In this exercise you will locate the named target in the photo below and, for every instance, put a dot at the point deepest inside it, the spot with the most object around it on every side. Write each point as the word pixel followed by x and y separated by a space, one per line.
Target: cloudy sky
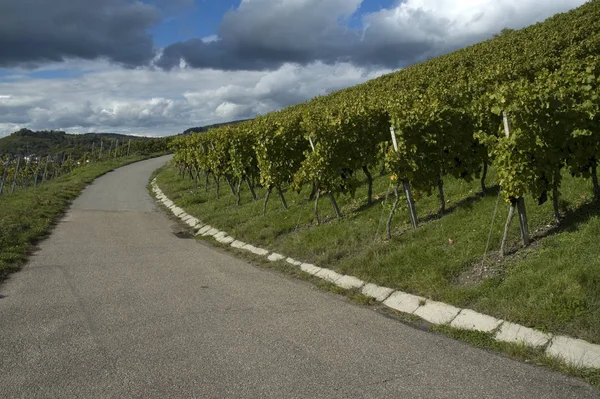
pixel 157 67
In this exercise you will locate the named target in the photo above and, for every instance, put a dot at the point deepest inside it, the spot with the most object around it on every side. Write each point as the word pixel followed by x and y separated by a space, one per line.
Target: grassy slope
pixel 554 285
pixel 27 216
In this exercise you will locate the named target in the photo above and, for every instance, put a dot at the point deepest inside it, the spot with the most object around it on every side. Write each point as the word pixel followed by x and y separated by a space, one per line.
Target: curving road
pixel 114 305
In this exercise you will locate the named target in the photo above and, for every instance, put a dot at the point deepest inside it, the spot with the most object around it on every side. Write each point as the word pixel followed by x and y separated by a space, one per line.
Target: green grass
pixel 554 285
pixel 27 216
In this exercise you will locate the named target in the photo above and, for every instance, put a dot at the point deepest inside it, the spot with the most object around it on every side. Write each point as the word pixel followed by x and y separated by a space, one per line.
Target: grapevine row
pixel 18 172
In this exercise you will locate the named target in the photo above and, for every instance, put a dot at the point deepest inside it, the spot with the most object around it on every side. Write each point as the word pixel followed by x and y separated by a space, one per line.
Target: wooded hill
pixel 201 129
pixel 49 142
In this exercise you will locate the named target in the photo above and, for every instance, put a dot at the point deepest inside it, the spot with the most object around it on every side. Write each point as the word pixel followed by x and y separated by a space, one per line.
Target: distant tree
pixel 504 32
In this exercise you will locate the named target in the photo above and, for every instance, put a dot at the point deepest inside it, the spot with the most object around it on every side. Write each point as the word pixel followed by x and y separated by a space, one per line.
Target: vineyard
pixel 19 172
pixel 525 103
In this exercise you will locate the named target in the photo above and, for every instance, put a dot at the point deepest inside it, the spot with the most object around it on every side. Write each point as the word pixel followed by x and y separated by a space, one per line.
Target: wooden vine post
pixel 315 187
pixel 14 183
pixel 56 167
pixel 45 169
pixel 518 203
pixel 250 187
pixel 483 176
pixel 27 168
pixel 595 181
pixel 334 204
pixel 37 171
pixel 52 172
pixel 4 175
pixel 367 173
pixel 410 201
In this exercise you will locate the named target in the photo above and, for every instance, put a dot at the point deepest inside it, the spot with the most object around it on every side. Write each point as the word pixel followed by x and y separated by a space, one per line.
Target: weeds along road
pixel 114 305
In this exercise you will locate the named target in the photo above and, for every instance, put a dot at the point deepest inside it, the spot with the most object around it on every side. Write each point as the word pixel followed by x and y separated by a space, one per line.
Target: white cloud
pixel 446 24
pixel 210 38
pixel 228 110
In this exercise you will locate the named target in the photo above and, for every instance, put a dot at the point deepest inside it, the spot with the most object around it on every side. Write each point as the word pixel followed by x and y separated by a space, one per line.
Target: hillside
pixel 44 142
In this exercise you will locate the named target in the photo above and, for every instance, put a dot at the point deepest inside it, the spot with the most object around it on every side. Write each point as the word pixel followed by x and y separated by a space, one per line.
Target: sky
pixel 158 67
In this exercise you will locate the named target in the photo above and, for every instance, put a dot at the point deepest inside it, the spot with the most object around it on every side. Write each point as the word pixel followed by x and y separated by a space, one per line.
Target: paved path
pixel 114 305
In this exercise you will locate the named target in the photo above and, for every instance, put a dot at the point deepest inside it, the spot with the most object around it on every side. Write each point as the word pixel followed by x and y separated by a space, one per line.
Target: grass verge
pixel 28 216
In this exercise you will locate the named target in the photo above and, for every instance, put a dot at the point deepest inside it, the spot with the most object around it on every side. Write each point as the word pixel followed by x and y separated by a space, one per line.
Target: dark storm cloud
pixel 33 32
pixel 216 55
pixel 229 55
pixel 265 34
pixel 257 56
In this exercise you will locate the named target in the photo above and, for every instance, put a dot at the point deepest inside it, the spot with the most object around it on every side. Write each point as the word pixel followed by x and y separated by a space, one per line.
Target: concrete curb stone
pixel 437 312
pixel 470 320
pixel 293 262
pixel 515 333
pixel 575 351
pixel 274 257
pixel 403 302
pixel 328 275
pixel 349 282
pixel 375 291
pixel 204 229
pixel 211 232
pixel 310 269
pixel 219 235
pixel 255 250
pixel 192 222
pixel 226 240
pixel 238 244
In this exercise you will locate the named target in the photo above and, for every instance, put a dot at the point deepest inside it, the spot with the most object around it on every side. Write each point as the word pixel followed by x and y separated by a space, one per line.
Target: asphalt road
pixel 114 305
